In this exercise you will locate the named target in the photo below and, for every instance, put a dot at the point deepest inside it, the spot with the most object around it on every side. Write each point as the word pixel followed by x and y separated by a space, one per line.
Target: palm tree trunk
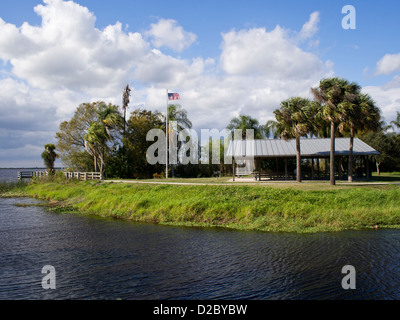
pixel 102 161
pixel 350 173
pixel 332 162
pixel 298 160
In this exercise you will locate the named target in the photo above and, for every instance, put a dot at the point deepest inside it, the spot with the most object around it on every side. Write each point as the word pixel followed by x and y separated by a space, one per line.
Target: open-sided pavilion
pixel 247 156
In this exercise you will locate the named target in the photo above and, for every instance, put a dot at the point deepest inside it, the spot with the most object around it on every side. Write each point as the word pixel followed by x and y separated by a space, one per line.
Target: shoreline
pixel 241 207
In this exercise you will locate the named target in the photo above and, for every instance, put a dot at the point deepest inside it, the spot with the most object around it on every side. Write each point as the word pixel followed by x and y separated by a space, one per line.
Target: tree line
pixel 100 138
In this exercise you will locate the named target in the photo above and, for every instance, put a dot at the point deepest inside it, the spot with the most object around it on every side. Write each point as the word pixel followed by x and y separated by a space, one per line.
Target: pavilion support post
pixel 256 164
pixel 233 168
pixel 259 170
pixel 326 166
pixel 340 167
pixel 312 168
pixel 286 172
pixel 365 165
pixel 318 172
pixel 367 172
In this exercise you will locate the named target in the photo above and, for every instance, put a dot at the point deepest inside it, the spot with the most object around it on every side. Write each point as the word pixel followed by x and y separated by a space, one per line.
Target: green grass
pixel 213 180
pixel 386 177
pixel 12 189
pixel 290 207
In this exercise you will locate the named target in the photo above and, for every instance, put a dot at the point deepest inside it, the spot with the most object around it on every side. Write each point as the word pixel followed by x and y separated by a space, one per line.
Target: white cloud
pixel 67 51
pixel 388 64
pixel 272 54
pixel 386 97
pixel 310 28
pixel 168 33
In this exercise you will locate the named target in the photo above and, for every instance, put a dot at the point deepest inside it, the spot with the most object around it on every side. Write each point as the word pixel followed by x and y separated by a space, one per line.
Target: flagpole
pixel 166 140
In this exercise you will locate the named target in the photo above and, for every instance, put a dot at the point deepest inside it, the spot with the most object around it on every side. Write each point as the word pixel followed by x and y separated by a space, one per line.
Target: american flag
pixel 173 96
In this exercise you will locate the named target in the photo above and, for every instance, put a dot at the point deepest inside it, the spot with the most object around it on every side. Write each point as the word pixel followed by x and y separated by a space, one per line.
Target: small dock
pixel 31 174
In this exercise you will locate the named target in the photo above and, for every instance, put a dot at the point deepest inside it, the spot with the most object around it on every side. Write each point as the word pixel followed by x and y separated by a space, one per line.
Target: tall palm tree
pixel 330 93
pixel 99 132
pixel 270 129
pixel 95 141
pixel 362 115
pixel 49 156
pixel 125 101
pixel 180 116
pixel 319 126
pixel 293 122
pixel 396 123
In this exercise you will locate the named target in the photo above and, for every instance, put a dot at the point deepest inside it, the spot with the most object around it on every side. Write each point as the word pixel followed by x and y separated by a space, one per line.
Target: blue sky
pixel 225 58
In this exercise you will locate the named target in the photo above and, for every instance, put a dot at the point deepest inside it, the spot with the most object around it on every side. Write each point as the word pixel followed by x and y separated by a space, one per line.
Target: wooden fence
pixel 84 175
pixel 69 175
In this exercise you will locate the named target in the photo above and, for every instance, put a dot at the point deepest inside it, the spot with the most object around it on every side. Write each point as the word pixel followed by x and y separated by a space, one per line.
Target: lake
pixel 96 258
pixel 11 175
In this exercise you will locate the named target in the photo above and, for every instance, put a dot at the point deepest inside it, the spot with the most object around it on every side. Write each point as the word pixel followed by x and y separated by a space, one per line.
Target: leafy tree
pixel 293 123
pixel 388 144
pixel 49 156
pixel 70 138
pixel 71 142
pixel 330 94
pixel 130 161
pixel 244 122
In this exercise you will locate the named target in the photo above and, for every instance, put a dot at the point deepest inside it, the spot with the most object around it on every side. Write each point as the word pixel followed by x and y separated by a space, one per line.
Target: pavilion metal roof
pixel 273 148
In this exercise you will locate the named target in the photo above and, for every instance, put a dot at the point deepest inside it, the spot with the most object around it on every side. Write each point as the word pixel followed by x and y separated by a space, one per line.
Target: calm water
pixel 11 175
pixel 105 259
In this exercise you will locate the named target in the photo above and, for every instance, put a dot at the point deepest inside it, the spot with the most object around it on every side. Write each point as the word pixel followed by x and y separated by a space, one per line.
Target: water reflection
pixel 105 259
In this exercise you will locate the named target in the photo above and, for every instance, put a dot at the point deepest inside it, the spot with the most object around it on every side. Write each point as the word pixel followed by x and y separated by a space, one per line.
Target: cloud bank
pixel 48 70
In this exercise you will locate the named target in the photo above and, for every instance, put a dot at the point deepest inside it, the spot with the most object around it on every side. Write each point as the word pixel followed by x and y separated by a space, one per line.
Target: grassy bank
pixel 246 207
pixel 12 189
